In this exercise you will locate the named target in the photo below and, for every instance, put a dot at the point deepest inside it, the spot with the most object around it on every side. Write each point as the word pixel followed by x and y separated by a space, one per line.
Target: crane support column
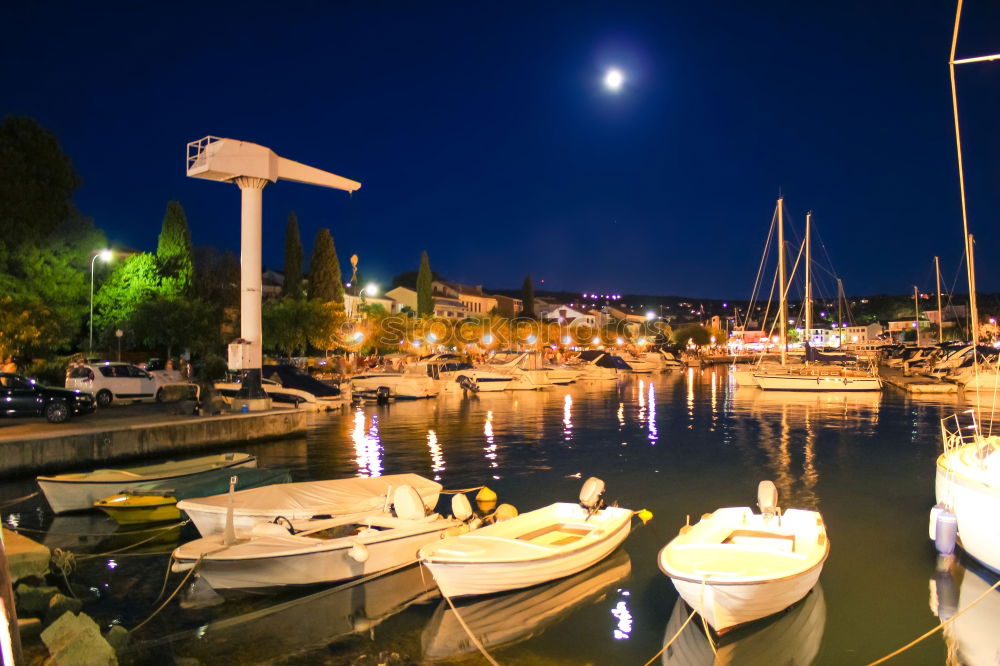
pixel 251 222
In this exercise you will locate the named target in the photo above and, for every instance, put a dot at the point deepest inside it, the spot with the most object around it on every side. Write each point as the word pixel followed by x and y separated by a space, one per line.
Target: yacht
pixel 453 375
pixel 386 385
pixel 513 365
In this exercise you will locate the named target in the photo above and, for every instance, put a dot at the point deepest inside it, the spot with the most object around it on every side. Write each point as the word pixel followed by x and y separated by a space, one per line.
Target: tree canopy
pixel 173 251
pixel 324 270
pixel 293 258
pixel 425 295
pixel 528 297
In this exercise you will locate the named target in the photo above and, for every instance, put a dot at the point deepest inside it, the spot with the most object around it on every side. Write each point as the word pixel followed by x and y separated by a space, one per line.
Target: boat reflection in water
pixel 302 625
pixel 517 616
pixel 790 638
pixel 971 638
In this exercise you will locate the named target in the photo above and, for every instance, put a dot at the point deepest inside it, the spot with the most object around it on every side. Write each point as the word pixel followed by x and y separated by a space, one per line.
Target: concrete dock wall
pixel 90 447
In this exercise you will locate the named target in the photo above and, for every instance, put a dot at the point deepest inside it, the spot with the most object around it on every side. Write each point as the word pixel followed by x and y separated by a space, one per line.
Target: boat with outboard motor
pixel 311 552
pixel 79 490
pixel 453 375
pixel 387 385
pixel 735 566
pixel 553 542
pixel 303 500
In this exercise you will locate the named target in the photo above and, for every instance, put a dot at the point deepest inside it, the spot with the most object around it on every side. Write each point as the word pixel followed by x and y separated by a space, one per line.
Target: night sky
pixel 481 131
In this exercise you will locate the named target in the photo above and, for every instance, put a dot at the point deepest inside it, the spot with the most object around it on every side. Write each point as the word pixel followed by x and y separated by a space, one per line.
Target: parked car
pixel 109 381
pixel 20 396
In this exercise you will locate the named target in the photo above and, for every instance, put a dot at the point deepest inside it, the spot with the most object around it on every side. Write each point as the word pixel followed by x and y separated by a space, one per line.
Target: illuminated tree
pixel 425 295
pixel 293 258
pixel 528 297
pixel 173 252
pixel 324 270
pixel 135 281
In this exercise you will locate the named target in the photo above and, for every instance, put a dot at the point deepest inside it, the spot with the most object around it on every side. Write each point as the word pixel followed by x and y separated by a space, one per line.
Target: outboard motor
pixel 408 504
pixel 467 383
pixel 767 499
pixel 382 395
pixel 462 510
pixel 591 495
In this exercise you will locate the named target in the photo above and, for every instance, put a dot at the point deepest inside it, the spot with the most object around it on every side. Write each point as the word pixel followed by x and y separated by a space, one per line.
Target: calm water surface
pixel 678 444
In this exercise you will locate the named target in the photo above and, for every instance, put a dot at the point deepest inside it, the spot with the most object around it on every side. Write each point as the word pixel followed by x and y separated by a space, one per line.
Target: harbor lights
pixel 251 167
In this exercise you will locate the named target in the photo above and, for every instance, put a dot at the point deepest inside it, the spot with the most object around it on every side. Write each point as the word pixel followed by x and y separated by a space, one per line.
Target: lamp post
pixel 105 256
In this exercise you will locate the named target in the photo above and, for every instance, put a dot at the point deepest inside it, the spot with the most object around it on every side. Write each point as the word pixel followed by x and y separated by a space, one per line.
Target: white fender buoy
pixel 946 532
pixel 358 552
pixel 460 507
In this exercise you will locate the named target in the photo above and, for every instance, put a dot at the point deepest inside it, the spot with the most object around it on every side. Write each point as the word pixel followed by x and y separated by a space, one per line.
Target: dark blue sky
pixel 481 133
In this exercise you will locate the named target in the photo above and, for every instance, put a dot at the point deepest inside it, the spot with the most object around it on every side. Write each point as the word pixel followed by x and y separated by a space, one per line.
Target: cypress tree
pixel 425 297
pixel 173 251
pixel 528 297
pixel 324 270
pixel 293 258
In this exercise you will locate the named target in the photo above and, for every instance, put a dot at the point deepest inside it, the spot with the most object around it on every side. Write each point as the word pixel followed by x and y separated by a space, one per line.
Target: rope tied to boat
pixel 18 500
pixel 672 639
pixel 156 534
pixel 472 636
pixel 939 627
pixel 65 562
pixel 171 597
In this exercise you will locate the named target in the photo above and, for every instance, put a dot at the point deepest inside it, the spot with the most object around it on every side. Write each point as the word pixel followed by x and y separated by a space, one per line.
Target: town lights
pixel 371 289
pixel 650 315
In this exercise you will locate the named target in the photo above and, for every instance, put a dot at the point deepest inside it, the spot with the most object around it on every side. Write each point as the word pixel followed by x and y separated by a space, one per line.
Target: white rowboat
pixel 303 500
pixel 79 491
pixel 553 542
pixel 735 566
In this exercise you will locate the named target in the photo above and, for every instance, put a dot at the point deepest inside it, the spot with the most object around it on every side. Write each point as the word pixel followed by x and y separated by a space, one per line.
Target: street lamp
pixel 105 256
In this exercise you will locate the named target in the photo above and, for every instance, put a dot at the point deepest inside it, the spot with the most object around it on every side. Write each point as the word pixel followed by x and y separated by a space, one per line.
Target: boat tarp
pixel 213 483
pixel 291 378
pixel 814 355
pixel 317 498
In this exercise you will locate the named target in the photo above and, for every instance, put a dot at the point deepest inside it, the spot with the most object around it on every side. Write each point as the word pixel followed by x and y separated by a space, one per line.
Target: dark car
pixel 20 396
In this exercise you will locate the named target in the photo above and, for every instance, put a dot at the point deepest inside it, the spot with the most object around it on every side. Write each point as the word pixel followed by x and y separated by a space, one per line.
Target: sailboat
pixel 967 482
pixel 814 375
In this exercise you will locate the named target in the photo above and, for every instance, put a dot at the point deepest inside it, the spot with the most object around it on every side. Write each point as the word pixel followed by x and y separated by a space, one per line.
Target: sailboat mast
pixel 809 303
pixel 916 314
pixel 937 272
pixel 973 309
pixel 840 307
pixel 783 308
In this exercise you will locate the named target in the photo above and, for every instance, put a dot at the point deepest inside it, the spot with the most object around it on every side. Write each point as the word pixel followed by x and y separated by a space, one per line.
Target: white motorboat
pixel 405 385
pixel 562 374
pixel 791 639
pixel 600 365
pixel 505 619
pixel 79 491
pixel 967 484
pixel 316 551
pixel 452 375
pixel 735 566
pixel 638 365
pixel 535 547
pixel 303 500
pixel 522 379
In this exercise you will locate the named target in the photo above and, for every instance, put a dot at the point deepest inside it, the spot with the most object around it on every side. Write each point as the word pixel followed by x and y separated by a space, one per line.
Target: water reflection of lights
pixel 112 564
pixel 491 447
pixel 653 432
pixel 624 617
pixel 690 398
pixel 715 415
pixel 367 445
pixel 13 520
pixel 642 401
pixel 568 417
pixel 621 414
pixel 437 458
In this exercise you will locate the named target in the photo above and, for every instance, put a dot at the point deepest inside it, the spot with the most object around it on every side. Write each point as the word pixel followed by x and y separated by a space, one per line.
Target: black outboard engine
pixel 467 383
pixel 382 395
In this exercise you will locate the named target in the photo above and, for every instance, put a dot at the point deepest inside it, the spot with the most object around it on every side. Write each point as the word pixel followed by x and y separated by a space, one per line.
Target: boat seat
pixel 559 534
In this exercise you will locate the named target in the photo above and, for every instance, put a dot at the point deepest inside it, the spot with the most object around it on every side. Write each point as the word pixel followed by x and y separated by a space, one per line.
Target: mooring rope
pixel 137 543
pixel 475 641
pixel 461 490
pixel 18 500
pixel 937 628
pixel 21 528
pixel 170 598
pixel 672 639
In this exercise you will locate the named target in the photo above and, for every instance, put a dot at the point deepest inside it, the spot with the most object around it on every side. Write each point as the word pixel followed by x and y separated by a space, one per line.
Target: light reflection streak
pixel 653 432
pixel 715 415
pixel 621 415
pixel 367 445
pixel 690 398
pixel 491 448
pixel 642 401
pixel 437 458
pixel 624 617
pixel 568 417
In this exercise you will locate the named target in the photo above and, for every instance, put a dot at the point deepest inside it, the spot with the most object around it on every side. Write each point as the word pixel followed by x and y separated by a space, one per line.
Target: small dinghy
pixel 735 566
pixel 303 500
pixel 157 501
pixel 316 551
pixel 78 491
pixel 533 548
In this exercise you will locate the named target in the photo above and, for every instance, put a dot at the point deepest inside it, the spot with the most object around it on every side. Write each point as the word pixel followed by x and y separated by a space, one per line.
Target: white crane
pixel 251 167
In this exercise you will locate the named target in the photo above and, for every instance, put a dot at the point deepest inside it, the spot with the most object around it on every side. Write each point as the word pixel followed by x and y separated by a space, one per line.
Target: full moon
pixel 614 79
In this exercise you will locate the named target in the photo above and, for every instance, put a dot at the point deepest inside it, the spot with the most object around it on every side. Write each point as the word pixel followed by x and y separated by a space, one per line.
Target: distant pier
pixel 915 383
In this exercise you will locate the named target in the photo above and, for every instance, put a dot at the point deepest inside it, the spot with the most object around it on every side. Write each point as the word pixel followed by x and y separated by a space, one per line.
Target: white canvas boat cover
pixel 316 498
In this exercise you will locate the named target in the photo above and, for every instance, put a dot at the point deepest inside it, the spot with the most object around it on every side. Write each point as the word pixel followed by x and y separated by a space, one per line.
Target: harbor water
pixel 679 444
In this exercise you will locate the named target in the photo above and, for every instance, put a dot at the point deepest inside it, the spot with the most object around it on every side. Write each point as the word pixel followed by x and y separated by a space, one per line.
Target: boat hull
pixel 312 568
pixel 725 606
pixel 458 579
pixel 837 383
pixel 152 509
pixel 77 494
pixel 976 507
